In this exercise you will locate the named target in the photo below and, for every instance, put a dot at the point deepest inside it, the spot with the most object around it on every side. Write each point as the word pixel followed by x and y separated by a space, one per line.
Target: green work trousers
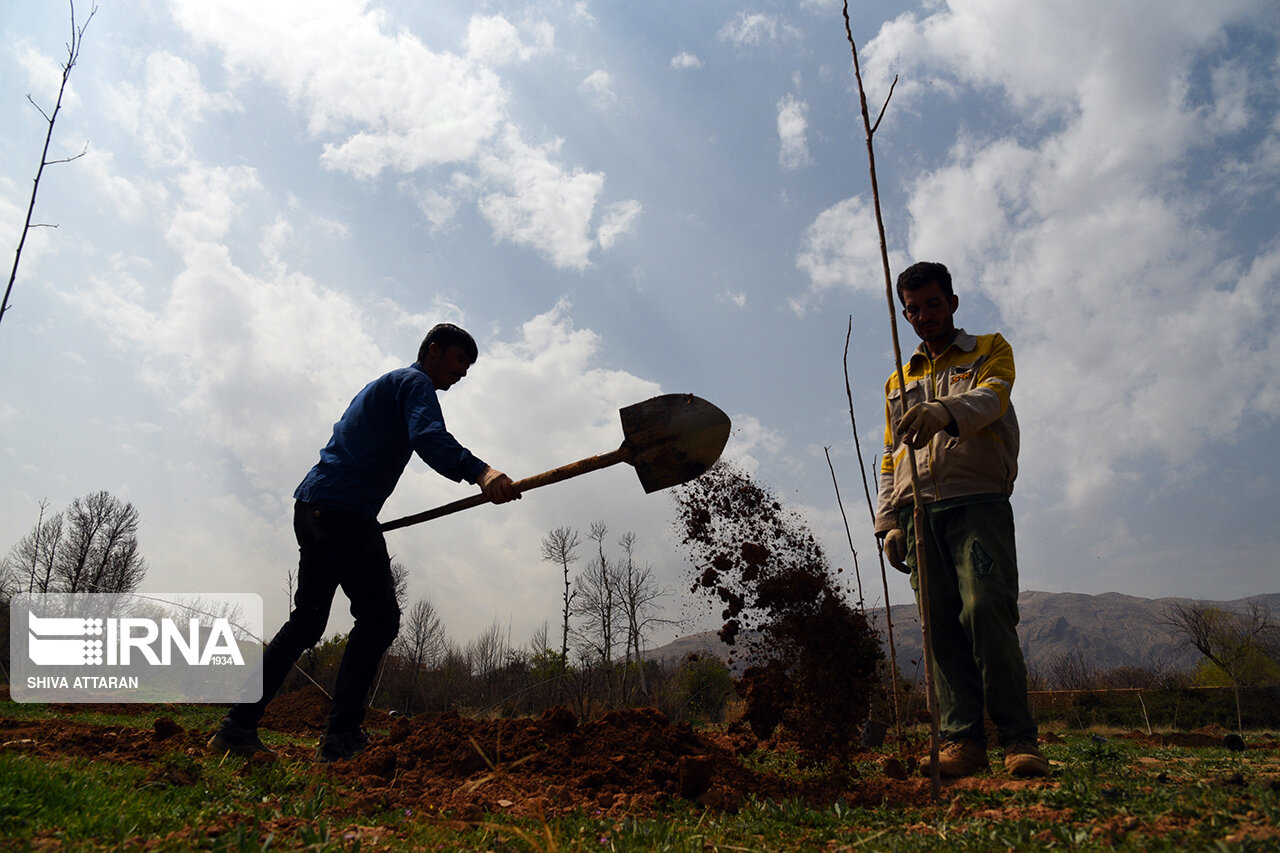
pixel 973 602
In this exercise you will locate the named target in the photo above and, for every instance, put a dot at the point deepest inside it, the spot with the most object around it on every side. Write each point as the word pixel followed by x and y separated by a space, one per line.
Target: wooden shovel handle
pixel 546 478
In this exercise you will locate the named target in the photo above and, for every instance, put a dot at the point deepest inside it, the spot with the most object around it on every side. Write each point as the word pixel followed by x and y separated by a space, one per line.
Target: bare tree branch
pixel 1233 641
pixel 892 86
pixel 73 56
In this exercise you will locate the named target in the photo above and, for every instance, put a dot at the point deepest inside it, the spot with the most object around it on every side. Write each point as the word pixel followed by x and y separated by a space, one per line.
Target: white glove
pixel 497 486
pixel 895 549
pixel 922 422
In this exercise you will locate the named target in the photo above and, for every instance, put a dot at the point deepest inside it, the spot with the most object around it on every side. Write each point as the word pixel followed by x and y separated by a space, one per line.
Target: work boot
pixel 1023 758
pixel 237 740
pixel 341 745
pixel 958 758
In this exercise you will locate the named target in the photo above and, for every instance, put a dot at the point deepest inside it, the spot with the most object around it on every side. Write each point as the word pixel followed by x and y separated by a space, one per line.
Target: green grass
pixel 1104 795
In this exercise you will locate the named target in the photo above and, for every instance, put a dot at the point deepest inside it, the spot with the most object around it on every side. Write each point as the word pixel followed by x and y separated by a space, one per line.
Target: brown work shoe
pixel 958 758
pixel 1023 758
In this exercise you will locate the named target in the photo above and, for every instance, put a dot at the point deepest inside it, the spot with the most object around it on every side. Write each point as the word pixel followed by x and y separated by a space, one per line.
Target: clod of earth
pixel 811 659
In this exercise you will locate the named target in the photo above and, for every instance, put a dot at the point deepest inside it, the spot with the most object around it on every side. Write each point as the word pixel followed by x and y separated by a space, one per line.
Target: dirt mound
pixel 1207 737
pixel 813 662
pixel 445 765
pixel 623 761
pixel 113 743
pixel 305 712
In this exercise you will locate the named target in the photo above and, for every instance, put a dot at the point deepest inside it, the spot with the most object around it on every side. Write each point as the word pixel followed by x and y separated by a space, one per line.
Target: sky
pixel 277 200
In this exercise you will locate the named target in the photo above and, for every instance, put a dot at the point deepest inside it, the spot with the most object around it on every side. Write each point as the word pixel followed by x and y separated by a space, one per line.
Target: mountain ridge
pixel 1109 630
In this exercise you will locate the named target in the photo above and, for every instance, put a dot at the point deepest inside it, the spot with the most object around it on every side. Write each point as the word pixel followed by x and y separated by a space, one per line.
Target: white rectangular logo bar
pixel 135 647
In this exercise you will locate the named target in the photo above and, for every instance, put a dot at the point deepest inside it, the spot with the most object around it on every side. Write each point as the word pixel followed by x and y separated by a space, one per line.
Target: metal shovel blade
pixel 673 438
pixel 669 440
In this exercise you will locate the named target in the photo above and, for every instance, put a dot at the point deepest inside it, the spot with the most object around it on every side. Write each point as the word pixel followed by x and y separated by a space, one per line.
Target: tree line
pixel 593 659
pixel 91 546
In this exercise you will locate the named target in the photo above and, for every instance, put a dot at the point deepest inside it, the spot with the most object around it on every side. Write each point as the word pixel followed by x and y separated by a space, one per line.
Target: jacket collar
pixel 963 341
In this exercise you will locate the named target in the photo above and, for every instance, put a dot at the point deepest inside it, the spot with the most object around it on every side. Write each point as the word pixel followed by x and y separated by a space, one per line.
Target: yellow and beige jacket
pixel 978 453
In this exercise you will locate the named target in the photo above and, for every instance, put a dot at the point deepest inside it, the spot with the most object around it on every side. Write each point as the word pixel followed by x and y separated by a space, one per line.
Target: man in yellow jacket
pixel 956 417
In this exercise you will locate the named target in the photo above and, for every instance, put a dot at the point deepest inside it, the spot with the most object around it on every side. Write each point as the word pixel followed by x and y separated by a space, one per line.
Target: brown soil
pixel 812 658
pixel 624 762
pixel 305 712
pixel 450 768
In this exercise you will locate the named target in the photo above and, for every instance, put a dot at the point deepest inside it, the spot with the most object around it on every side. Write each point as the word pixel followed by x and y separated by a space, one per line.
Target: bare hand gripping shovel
pixel 669 440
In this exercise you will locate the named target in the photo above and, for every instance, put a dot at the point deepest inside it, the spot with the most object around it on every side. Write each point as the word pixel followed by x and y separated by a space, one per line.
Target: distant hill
pixel 1109 631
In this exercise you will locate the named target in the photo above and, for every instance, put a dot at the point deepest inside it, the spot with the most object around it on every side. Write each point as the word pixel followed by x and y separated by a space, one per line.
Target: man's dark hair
pixel 448 335
pixel 923 274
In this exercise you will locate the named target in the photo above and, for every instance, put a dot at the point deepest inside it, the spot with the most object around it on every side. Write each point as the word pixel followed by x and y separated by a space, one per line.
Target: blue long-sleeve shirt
pixel 395 416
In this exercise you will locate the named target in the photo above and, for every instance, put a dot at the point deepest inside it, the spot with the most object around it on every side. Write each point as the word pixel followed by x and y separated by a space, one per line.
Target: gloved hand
pixel 895 549
pixel 922 422
pixel 497 486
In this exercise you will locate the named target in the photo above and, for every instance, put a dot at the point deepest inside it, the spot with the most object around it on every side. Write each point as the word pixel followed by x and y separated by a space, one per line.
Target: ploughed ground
pixel 622 762
pixel 451 769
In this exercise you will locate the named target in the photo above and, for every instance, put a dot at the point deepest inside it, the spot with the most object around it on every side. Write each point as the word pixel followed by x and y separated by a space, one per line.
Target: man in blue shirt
pixel 340 542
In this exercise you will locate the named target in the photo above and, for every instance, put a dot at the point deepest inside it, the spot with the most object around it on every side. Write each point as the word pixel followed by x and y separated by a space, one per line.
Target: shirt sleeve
pixel 988 397
pixel 886 519
pixel 430 439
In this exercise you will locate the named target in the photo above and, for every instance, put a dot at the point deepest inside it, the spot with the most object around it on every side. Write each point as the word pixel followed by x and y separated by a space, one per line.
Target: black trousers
pixel 343 549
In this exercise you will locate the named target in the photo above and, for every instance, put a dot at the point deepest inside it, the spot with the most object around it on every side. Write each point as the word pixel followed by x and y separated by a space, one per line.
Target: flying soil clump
pixel 812 659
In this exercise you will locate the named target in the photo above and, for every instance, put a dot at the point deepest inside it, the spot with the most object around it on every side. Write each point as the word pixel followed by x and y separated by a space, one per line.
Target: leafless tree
pixel 422 643
pixel 1072 671
pixel 560 546
pixel 488 652
pixel 100 553
pixel 73 56
pixel 538 641
pixel 29 564
pixel 639 595
pixel 400 580
pixel 596 591
pixel 90 547
pixel 1234 641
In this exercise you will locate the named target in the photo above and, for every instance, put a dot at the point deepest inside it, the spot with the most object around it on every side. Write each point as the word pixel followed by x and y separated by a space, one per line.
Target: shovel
pixel 669 440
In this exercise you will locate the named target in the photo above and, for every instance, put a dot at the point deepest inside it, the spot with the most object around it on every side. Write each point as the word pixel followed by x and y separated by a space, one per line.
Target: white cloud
pixel 393 102
pixel 165 112
pixel 734 297
pixel 749 440
pixel 44 76
pixel 1081 231
pixel 1230 86
pixel 383 100
pixel 437 207
pixel 493 40
pixel 130 199
pixel 598 85
pixel 793 122
pixel 841 249
pixel 539 204
pixel 685 60
pixel 751 29
pixel 210 202
pixel 248 358
pixel 617 220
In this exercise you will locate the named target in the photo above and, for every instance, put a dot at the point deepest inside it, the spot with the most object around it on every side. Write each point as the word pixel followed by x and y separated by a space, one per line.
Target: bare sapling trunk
pixel 73 56
pixel 918 512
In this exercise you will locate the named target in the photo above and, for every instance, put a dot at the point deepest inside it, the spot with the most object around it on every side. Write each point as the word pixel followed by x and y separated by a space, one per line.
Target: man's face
pixel 446 365
pixel 930 312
